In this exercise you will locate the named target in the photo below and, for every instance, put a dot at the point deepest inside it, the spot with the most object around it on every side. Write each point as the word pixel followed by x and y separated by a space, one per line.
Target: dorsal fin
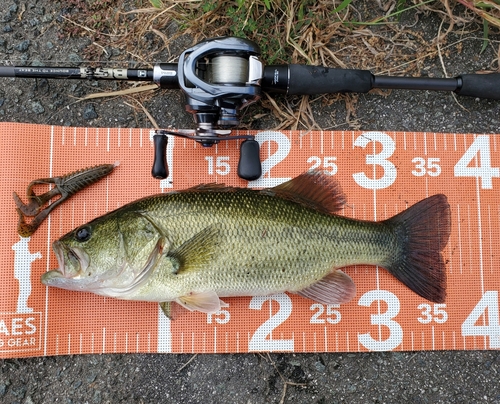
pixel 209 187
pixel 313 189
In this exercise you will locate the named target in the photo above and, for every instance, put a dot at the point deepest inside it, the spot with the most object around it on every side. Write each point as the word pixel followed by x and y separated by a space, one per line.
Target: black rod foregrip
pixel 415 83
pixel 311 80
pixel 480 85
pixel 160 167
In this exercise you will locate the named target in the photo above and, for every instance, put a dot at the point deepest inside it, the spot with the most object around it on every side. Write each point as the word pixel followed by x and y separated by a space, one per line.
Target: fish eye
pixel 83 234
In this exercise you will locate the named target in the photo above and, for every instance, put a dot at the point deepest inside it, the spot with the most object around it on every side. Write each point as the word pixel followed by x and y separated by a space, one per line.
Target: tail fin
pixel 423 230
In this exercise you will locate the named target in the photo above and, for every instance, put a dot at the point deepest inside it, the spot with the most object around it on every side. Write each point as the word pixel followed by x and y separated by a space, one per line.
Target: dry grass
pixel 347 34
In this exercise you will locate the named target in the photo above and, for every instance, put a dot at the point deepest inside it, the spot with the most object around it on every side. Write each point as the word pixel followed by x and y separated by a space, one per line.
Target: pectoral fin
pixel 206 302
pixel 334 288
pixel 198 251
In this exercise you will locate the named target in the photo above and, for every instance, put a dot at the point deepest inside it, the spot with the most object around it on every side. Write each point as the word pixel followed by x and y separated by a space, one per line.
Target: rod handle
pixel 312 80
pixel 480 85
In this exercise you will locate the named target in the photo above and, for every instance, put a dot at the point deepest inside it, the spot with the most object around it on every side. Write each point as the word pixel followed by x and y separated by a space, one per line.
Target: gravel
pixel 389 377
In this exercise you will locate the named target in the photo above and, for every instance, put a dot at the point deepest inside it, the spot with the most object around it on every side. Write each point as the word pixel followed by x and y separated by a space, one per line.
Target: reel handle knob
pixel 249 166
pixel 160 167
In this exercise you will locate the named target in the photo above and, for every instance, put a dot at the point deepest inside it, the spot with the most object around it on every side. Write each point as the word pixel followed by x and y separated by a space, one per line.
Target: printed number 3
pixel 380 159
pixel 396 332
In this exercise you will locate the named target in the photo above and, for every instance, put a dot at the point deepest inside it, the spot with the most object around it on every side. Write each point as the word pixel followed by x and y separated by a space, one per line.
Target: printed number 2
pixel 488 304
pixel 262 338
pixel 395 329
pixel 380 159
pixel 284 147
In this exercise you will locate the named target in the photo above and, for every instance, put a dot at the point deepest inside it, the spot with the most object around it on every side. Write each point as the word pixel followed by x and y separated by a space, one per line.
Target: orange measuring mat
pixel 381 173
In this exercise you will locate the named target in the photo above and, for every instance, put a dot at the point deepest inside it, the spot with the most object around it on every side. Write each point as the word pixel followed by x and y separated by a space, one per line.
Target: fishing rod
pixel 220 76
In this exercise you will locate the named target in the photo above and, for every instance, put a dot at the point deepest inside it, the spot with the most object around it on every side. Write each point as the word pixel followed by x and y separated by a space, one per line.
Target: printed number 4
pixel 488 304
pixel 485 171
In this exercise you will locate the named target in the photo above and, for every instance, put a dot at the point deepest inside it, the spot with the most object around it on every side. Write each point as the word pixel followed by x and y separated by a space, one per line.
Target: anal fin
pixel 335 288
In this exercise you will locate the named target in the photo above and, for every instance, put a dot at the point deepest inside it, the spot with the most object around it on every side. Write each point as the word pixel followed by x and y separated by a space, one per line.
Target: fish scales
pixel 198 245
pixel 265 244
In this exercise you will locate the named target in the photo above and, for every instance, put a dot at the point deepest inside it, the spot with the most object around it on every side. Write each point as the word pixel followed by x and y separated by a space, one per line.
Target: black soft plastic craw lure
pixel 39 206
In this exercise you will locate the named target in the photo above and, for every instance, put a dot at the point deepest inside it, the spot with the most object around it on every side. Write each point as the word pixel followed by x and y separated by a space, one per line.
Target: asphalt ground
pixel 389 377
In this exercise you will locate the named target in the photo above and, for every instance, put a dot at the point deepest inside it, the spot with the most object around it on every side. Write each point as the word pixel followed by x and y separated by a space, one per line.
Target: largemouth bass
pixel 198 245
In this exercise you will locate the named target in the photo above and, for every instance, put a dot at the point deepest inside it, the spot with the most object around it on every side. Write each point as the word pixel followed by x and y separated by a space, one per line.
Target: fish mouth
pixel 73 261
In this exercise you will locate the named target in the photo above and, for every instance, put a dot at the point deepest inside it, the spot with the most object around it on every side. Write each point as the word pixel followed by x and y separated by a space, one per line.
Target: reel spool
pixel 219 77
pixel 228 69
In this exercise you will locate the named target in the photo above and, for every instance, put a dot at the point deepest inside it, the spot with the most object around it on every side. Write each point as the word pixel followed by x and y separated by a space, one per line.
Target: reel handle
pixel 249 166
pixel 160 167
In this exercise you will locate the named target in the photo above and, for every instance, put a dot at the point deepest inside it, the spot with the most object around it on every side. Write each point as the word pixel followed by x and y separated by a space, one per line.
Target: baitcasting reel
pixel 222 75
pixel 218 77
